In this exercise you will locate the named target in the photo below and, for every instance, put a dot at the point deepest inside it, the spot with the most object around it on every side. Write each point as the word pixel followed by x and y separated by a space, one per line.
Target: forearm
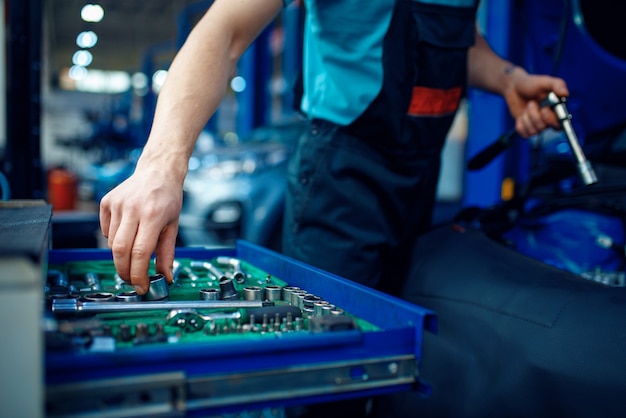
pixel 194 87
pixel 487 70
pixel 198 77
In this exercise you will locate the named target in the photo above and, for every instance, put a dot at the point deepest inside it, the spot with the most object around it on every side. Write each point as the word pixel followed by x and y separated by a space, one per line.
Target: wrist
pixel 171 166
pixel 509 68
pixel 511 73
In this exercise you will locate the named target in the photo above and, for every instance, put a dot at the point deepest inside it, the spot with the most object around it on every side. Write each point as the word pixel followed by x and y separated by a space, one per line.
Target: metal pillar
pixel 253 102
pixel 23 165
pixel 293 22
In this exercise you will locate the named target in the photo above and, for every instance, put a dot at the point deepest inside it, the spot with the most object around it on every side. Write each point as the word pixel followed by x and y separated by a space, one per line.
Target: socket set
pixel 238 328
pixel 96 310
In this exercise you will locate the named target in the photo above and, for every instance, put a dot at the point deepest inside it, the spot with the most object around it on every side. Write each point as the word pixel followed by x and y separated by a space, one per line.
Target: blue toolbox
pixel 240 329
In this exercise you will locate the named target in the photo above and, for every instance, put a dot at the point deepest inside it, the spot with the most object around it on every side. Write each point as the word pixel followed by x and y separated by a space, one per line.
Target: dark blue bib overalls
pixel 360 195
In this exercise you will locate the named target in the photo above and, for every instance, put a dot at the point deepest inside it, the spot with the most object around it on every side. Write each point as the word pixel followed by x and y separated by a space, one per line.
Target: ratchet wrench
pixel 587 175
pixel 73 306
pixel 557 104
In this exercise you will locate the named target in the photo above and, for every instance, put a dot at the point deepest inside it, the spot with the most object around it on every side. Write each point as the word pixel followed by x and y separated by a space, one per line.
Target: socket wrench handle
pixel 73 306
pixel 490 152
pixel 585 170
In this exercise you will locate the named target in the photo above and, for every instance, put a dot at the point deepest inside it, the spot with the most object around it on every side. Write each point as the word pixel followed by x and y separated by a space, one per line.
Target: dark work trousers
pixel 354 212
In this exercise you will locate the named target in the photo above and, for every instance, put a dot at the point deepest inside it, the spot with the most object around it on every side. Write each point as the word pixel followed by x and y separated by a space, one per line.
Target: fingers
pixel 125 256
pixel 541 85
pixel 118 241
pixel 165 252
pixel 130 242
pixel 105 217
pixel 559 87
pixel 140 255
pixel 536 118
pixel 532 121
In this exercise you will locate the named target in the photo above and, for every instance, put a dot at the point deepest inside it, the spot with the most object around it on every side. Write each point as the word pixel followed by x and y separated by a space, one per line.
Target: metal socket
pixel 57 278
pixel 287 290
pixel 318 307
pixel 253 293
pixel 131 296
pixel 301 298
pixel 158 289
pixel 99 297
pixel 273 292
pixel 294 296
pixel 228 289
pixel 309 300
pixel 210 294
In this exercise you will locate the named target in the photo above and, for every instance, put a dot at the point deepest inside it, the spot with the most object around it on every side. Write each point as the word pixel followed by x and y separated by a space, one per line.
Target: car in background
pixel 237 191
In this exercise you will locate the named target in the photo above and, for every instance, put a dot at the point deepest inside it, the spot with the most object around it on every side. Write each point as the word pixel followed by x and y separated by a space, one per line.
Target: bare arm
pixel 522 91
pixel 140 216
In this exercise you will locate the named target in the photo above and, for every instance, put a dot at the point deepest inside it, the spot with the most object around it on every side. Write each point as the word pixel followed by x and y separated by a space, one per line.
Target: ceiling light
pixel 82 58
pixel 76 72
pixel 86 39
pixel 158 79
pixel 139 81
pixel 92 13
pixel 238 84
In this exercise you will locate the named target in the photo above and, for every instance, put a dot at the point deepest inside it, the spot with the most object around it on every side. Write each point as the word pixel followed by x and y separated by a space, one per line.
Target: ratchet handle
pixel 489 153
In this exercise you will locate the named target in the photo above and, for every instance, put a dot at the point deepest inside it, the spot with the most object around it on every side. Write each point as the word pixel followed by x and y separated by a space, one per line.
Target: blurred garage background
pixel 82 78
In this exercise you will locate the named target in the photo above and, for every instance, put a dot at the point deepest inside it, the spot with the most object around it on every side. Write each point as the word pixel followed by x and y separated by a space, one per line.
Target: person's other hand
pixel 140 217
pixel 524 98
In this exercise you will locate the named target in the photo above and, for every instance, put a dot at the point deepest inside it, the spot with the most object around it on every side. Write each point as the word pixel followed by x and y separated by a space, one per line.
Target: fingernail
pixel 139 290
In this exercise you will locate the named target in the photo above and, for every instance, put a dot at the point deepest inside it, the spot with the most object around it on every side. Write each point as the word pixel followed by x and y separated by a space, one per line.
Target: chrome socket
pixel 295 296
pixel 210 294
pixel 318 307
pixel 158 289
pixel 131 296
pixel 253 293
pixel 273 292
pixel 287 290
pixel 228 289
pixel 99 297
pixel 308 301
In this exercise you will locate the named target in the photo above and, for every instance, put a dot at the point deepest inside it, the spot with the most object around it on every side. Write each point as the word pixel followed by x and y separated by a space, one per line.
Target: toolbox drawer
pixel 371 343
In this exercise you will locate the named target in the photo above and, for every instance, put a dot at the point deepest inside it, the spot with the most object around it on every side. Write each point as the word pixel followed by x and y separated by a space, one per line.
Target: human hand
pixel 524 96
pixel 139 217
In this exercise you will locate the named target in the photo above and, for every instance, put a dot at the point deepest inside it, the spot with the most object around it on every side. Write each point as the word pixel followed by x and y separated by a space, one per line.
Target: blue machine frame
pixel 293 368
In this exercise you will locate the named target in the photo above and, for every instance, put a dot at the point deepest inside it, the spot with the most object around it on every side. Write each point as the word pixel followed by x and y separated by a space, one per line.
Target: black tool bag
pixel 517 338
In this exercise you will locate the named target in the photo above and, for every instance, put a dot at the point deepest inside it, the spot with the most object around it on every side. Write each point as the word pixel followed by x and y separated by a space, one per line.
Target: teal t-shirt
pixel 343 51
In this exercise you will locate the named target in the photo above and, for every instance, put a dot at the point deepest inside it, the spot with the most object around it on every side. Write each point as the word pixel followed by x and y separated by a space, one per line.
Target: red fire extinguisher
pixel 62 189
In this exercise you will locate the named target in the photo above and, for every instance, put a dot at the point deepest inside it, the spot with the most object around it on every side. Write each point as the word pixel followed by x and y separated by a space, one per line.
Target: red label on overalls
pixel 427 101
